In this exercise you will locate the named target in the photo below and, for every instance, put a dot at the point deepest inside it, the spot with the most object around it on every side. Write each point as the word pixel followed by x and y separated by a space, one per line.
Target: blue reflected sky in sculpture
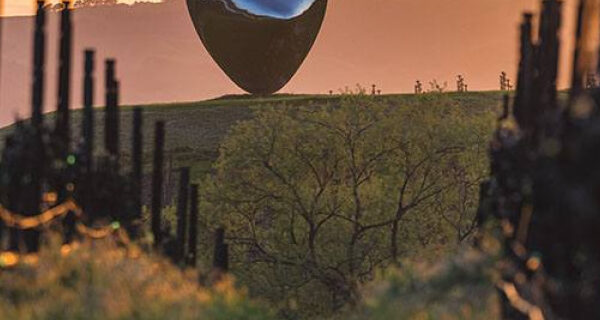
pixel 282 9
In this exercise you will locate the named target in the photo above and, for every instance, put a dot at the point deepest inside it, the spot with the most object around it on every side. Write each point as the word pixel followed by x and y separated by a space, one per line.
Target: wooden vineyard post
pixel 221 253
pixel 157 181
pixel 38 65
pixel 62 130
pixel 193 227
pixel 577 74
pixel 30 203
pixel 88 111
pixel 137 170
pixel 87 132
pixel 111 141
pixel 525 75
pixel 182 213
pixel 111 120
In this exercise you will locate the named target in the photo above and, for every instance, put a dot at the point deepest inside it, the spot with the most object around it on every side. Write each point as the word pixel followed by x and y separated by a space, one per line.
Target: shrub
pixel 317 198
pixel 99 281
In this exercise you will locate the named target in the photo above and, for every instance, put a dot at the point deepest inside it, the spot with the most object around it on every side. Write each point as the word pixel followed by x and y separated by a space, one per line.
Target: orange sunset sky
pixel 388 42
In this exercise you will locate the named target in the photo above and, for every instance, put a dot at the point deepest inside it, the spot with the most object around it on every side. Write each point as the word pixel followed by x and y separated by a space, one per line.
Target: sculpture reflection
pixel 283 9
pixel 260 44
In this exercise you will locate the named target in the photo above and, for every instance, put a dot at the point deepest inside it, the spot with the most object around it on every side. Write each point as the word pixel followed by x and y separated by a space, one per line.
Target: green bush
pixel 316 199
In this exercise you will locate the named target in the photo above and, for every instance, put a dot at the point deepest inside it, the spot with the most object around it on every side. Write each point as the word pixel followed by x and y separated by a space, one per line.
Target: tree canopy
pixel 317 199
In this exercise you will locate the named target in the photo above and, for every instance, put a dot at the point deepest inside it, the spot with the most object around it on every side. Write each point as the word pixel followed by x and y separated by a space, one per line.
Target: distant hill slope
pixel 195 130
pixel 388 42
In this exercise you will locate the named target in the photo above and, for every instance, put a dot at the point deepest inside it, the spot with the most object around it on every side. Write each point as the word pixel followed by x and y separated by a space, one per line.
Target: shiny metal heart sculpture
pixel 260 44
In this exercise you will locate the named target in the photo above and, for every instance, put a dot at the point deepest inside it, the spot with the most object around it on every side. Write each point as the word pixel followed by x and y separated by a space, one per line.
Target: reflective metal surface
pixel 283 9
pixel 260 44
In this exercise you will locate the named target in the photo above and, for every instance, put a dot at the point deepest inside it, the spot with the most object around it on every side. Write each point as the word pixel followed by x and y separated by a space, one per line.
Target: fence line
pixel 39 163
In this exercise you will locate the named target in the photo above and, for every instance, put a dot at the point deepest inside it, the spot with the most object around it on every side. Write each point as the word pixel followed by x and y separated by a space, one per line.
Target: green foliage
pixel 456 287
pixel 317 198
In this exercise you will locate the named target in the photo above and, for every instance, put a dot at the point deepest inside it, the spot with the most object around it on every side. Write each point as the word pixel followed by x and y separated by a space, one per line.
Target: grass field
pixel 194 130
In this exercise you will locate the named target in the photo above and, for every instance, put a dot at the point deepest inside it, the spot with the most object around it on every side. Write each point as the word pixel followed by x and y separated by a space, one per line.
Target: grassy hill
pixel 194 130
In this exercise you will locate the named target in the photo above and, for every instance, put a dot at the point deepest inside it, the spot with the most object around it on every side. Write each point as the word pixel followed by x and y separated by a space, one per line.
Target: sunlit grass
pixel 460 286
pixel 101 281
